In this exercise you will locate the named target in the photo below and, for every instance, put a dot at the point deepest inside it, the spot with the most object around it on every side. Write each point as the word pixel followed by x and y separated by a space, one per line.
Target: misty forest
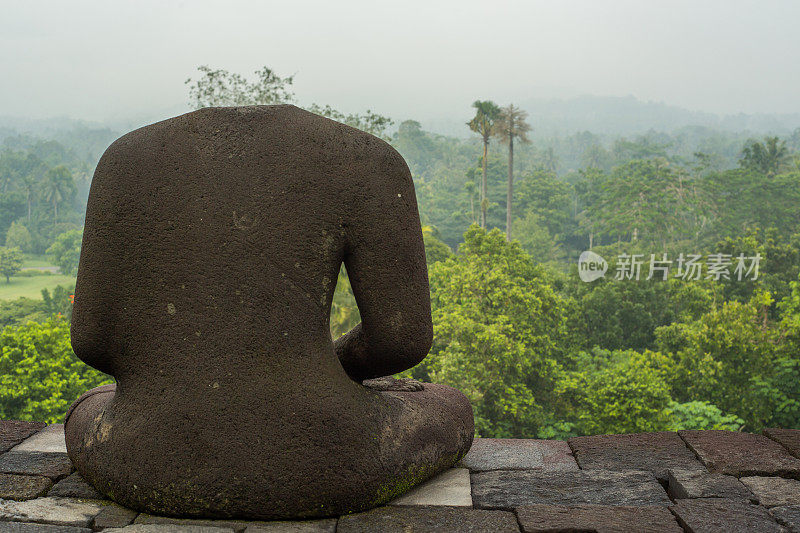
pixel 507 207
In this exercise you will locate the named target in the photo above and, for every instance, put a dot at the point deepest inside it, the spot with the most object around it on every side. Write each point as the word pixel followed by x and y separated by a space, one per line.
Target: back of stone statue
pixel 214 239
pixel 211 251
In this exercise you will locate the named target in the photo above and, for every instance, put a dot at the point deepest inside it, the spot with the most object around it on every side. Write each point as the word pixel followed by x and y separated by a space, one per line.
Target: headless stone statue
pixel 210 256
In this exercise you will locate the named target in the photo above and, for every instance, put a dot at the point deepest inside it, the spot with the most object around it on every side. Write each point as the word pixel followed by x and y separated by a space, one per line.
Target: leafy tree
pixel 30 183
pixel 344 310
pixel 702 415
pixel 784 384
pixel 770 157
pixel 59 302
pixel 532 233
pixel 510 125
pixel 419 149
pixel 498 333
pixel 642 148
pixel 628 393
pixel 648 200
pixel 744 199
pixel 780 389
pixel 12 207
pixel 435 249
pixel 619 315
pixel 472 193
pixel 370 122
pixel 217 87
pixel 778 266
pixel 547 160
pixel 18 236
pixel 486 113
pixel 58 186
pixel 596 157
pixel 588 192
pixel 722 364
pixel 23 170
pixel 790 315
pixel 66 251
pixel 20 311
pixel 10 262
pixel 548 198
pixel 39 374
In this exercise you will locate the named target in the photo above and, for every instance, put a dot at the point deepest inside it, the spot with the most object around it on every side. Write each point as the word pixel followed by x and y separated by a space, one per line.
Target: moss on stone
pixel 413 476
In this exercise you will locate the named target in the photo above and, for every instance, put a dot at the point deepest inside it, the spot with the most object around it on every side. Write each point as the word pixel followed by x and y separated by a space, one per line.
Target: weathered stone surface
pixel 307 526
pixel 28 527
pixel 22 487
pixel 286 197
pixel 74 486
pixel 741 454
pixel 59 511
pixel 518 454
pixel 147 519
pixel 723 515
pixel 428 520
pixel 50 439
pixel 12 432
pixel 655 452
pixel 597 518
pixel 164 528
pixel 48 464
pixel 113 515
pixel 694 484
pixel 789 438
pixel 788 516
pixel 117 516
pixel 451 487
pixel 774 491
pixel 509 489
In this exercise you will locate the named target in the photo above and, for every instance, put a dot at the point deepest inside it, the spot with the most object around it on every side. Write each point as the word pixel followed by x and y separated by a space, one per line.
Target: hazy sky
pixel 409 59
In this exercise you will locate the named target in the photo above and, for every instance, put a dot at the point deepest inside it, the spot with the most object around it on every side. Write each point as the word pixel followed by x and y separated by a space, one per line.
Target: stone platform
pixel 695 481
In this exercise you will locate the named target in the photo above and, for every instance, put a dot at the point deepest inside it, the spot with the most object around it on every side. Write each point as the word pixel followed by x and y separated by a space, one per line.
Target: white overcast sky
pixel 108 59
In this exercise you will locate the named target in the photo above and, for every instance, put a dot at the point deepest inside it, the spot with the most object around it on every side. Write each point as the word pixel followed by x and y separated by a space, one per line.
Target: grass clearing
pixel 34 261
pixel 31 286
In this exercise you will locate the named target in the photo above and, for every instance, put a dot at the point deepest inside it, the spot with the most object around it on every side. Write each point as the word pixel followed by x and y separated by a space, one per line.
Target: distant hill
pixel 624 115
pixel 86 140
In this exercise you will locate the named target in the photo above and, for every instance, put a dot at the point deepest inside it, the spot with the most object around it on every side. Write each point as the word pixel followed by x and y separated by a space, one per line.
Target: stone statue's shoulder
pixel 276 128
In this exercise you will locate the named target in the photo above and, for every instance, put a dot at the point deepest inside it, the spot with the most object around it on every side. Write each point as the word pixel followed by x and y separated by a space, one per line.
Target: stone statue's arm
pixel 93 311
pixel 385 260
pixel 89 338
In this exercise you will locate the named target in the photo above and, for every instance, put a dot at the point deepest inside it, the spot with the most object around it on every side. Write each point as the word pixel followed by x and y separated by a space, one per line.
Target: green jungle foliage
pixel 538 352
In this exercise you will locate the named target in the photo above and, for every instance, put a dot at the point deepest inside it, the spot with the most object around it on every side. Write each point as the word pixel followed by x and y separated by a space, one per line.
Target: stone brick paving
pixel 774 491
pixel 510 489
pixel 13 433
pixel 694 481
pixel 656 452
pixel 606 518
pixel 724 515
pixel 788 516
pixel 519 454
pixel 451 488
pixel 789 438
pixel 741 454
pixel 683 484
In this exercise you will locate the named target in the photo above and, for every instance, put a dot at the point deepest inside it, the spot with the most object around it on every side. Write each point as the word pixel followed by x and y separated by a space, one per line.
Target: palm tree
pixel 486 112
pixel 510 125
pixel 57 187
pixel 28 183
